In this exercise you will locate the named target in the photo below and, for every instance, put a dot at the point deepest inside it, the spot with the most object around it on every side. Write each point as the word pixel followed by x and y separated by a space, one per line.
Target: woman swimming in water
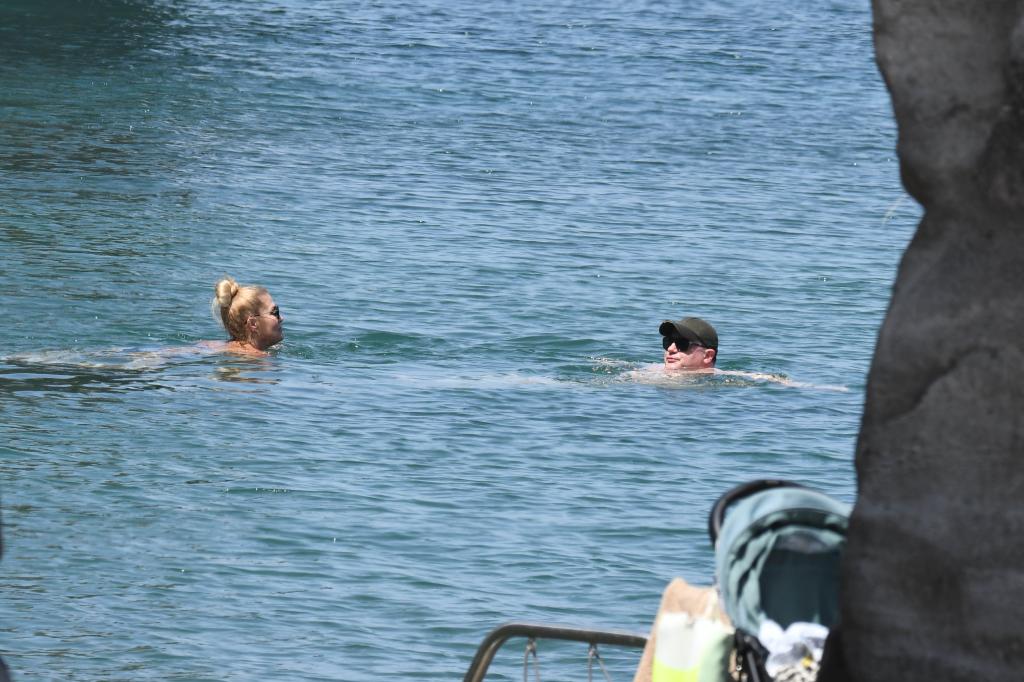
pixel 250 316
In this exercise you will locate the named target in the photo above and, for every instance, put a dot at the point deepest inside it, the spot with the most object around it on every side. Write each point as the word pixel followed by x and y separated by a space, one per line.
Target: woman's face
pixel 265 325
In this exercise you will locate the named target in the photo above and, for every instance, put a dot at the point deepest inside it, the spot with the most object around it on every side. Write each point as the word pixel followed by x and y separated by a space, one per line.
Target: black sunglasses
pixel 275 311
pixel 682 345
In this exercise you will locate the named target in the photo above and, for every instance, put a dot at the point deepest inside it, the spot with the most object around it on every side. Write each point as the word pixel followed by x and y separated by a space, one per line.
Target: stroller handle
pixel 717 514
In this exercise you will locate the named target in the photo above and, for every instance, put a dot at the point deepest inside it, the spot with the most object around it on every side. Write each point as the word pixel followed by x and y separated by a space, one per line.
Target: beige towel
pixel 678 596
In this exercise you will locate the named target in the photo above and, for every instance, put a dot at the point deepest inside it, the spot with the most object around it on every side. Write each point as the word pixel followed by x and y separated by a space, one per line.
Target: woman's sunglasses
pixel 275 311
pixel 682 345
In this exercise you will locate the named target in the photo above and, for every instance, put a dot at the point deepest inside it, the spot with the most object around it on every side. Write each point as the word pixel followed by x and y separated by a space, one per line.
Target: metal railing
pixel 493 642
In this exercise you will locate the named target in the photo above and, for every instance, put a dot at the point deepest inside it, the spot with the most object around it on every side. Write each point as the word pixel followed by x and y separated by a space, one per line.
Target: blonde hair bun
pixel 233 305
pixel 225 290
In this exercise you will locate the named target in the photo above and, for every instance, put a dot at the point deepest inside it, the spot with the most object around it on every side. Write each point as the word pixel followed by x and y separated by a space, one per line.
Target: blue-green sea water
pixel 473 216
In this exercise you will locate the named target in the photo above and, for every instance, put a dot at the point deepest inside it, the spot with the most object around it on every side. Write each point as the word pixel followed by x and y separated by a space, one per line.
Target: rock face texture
pixel 933 578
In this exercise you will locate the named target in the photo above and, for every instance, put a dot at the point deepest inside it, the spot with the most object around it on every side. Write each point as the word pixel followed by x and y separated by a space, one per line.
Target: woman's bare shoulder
pixel 230 347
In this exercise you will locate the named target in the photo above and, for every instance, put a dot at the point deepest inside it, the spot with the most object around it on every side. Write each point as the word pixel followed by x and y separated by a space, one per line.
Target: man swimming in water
pixel 690 344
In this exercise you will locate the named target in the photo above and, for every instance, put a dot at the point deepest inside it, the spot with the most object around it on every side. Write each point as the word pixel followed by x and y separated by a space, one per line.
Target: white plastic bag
pixel 691 648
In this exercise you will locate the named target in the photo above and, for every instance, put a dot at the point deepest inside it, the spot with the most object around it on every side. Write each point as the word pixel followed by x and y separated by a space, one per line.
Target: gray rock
pixel 933 578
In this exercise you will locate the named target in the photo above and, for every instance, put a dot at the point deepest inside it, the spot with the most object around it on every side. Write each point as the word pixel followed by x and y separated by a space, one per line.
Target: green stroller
pixel 778 546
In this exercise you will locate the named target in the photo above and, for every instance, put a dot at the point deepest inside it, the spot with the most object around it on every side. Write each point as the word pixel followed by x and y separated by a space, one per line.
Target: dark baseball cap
pixel 692 329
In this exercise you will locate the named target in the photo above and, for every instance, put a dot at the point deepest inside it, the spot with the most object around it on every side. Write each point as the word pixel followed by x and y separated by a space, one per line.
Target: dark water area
pixel 473 216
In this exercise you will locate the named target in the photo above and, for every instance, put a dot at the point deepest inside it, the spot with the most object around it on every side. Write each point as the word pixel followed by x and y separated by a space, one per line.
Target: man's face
pixel 681 354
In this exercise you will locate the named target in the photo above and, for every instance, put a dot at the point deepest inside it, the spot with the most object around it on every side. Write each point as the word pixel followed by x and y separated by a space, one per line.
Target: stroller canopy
pixel 777 555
